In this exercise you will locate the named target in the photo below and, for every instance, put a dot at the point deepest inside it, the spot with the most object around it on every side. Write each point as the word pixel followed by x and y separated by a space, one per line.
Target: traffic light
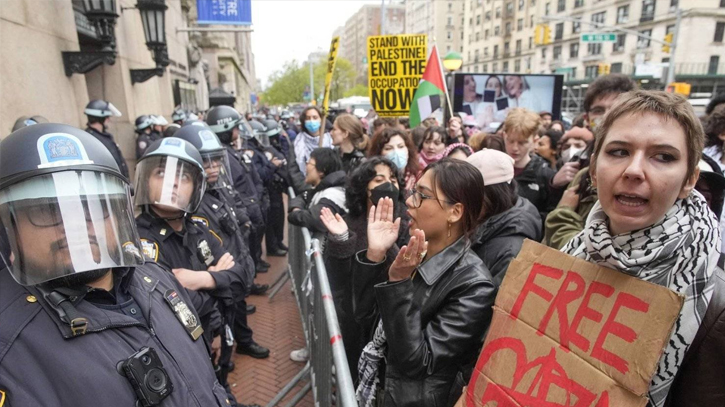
pixel 668 40
pixel 542 34
pixel 603 69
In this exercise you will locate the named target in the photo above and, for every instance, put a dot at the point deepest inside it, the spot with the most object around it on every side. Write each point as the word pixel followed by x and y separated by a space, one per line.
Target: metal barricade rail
pixel 327 368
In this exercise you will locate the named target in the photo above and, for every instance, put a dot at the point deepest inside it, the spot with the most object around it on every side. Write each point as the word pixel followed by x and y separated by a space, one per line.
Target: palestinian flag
pixel 431 90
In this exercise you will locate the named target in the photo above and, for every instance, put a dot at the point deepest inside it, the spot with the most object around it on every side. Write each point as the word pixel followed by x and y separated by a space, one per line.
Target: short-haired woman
pixel 650 224
pixel 437 301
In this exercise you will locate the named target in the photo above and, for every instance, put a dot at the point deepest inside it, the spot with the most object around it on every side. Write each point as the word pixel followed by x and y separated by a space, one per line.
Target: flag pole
pixel 445 80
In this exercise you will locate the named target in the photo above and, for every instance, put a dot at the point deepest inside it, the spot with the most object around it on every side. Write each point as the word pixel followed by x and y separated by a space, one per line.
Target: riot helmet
pixel 142 123
pixel 170 178
pixel 23 121
pixel 101 109
pixel 213 154
pixel 259 132
pixel 179 116
pixel 223 120
pixel 273 128
pixel 197 123
pixel 159 120
pixel 64 206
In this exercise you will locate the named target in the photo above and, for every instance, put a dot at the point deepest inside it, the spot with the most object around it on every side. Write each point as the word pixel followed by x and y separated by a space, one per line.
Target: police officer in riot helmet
pixel 228 124
pixel 159 124
pixel 99 113
pixel 217 212
pixel 170 184
pixel 278 149
pixel 76 297
pixel 144 134
pixel 179 116
pixel 24 121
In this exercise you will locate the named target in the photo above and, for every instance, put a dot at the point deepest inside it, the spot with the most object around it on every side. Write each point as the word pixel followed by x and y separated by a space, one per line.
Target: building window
pixel 506 66
pixel 576 26
pixel 578 3
pixel 485 67
pixel 623 14
pixel 475 56
pixel 450 6
pixel 518 47
pixel 591 71
pixel 594 48
pixel 517 65
pixel 670 29
pixel 498 12
pixel 599 18
pixel 485 52
pixel 616 68
pixel 559 33
pixel 619 45
pixel 547 9
pixel 712 69
pixel 509 9
pixel 561 6
pixel 722 3
pixel 519 24
pixel 495 51
pixel 506 49
pixel 557 52
pixel 531 42
pixel 475 69
pixel 495 67
pixel 719 31
pixel 448 48
pixel 508 28
pixel 488 15
pixel 644 42
pixel 648 10
pixel 543 53
pixel 450 21
pixel 531 23
pixel 574 50
pixel 496 31
pixel 674 4
pixel 449 35
pixel 521 4
pixel 485 34
pixel 478 20
pixel 478 36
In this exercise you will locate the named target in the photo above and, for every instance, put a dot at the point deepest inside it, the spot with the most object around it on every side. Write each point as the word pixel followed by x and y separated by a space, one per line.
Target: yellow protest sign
pixel 331 59
pixel 395 66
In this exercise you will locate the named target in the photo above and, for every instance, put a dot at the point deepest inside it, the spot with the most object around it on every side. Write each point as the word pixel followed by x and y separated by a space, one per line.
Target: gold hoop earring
pixel 449 229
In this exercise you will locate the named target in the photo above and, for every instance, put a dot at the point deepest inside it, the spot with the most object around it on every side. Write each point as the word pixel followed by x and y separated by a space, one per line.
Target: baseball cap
pixel 495 166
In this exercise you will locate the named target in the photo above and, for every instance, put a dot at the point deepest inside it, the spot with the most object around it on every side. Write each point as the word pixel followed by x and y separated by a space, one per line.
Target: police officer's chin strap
pixel 61 300
pixel 151 212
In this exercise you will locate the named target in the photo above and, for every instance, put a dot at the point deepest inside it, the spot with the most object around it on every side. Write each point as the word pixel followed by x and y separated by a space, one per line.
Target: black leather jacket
pixel 434 323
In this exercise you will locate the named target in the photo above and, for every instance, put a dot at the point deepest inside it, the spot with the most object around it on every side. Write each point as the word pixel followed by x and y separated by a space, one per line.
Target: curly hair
pixel 356 190
pixel 378 142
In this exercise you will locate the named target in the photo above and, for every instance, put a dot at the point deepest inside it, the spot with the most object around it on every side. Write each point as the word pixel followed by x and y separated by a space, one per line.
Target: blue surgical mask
pixel 399 158
pixel 312 125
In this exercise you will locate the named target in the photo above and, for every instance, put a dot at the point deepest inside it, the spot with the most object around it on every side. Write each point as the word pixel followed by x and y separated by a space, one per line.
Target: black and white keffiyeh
pixel 368 368
pixel 679 252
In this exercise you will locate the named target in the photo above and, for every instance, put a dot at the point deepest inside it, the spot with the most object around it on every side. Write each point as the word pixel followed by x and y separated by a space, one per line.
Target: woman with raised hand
pixel 374 179
pixel 437 301
pixel 651 224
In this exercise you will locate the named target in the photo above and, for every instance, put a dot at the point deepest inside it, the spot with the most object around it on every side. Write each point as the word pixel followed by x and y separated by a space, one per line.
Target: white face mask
pixel 567 155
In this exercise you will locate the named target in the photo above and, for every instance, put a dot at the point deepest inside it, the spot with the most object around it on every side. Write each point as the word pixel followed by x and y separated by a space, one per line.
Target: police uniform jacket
pixel 219 217
pixel 43 364
pixel 143 141
pixel 107 140
pixel 196 248
pixel 245 187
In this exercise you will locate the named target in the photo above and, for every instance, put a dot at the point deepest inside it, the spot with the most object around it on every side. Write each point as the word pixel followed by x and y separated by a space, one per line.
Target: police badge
pixel 204 253
pixel 183 314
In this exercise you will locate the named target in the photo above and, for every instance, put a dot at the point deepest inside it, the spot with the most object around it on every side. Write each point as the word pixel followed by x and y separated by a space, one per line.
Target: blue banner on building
pixel 233 12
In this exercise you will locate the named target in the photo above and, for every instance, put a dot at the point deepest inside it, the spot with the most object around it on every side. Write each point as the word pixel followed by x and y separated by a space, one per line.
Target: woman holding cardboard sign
pixel 437 302
pixel 651 224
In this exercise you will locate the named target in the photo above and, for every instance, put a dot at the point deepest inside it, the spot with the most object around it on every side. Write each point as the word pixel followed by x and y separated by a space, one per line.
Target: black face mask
pixel 385 190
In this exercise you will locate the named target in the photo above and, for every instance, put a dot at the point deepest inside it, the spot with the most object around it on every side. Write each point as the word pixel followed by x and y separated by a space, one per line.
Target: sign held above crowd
pixel 566 332
pixel 395 66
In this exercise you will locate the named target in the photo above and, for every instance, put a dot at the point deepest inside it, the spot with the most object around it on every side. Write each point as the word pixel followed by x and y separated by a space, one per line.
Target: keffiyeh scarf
pixel 679 252
pixel 368 368
pixel 430 159
pixel 304 144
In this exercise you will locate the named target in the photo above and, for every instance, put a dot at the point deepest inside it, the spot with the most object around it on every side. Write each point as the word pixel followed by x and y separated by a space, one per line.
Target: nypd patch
pixel 172 142
pixel 61 149
pixel 150 249
pixel 201 220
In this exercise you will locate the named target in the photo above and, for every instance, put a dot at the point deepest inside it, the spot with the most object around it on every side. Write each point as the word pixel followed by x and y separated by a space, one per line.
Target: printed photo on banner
pixel 489 97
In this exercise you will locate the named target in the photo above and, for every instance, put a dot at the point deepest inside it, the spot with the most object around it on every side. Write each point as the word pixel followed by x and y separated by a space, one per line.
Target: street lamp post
pixel 102 14
pixel 153 18
pixel 452 62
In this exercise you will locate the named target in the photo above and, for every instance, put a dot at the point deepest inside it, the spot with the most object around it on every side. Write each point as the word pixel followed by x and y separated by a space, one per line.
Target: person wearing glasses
pixel 437 301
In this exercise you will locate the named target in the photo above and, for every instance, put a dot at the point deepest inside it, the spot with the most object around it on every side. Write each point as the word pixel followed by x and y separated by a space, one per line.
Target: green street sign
pixel 599 37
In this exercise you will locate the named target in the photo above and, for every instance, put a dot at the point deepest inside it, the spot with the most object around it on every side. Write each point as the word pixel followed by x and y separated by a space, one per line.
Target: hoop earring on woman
pixel 449 229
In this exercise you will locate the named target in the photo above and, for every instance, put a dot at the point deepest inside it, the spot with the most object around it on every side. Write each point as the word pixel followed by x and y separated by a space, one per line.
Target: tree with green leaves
pixel 288 84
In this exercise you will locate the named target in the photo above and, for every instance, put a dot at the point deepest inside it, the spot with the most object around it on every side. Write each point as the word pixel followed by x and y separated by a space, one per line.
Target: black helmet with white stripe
pixel 179 115
pixel 142 123
pixel 222 120
pixel 101 109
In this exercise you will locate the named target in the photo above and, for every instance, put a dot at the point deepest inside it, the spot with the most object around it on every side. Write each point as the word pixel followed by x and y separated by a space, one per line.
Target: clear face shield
pixel 169 183
pixel 216 166
pixel 66 223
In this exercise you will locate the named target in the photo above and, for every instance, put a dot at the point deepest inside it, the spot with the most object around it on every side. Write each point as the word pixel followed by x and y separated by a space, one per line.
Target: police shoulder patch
pixel 202 220
pixel 150 249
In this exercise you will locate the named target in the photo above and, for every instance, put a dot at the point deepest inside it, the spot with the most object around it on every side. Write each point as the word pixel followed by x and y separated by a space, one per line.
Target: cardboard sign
pixel 395 65
pixel 331 59
pixel 568 333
